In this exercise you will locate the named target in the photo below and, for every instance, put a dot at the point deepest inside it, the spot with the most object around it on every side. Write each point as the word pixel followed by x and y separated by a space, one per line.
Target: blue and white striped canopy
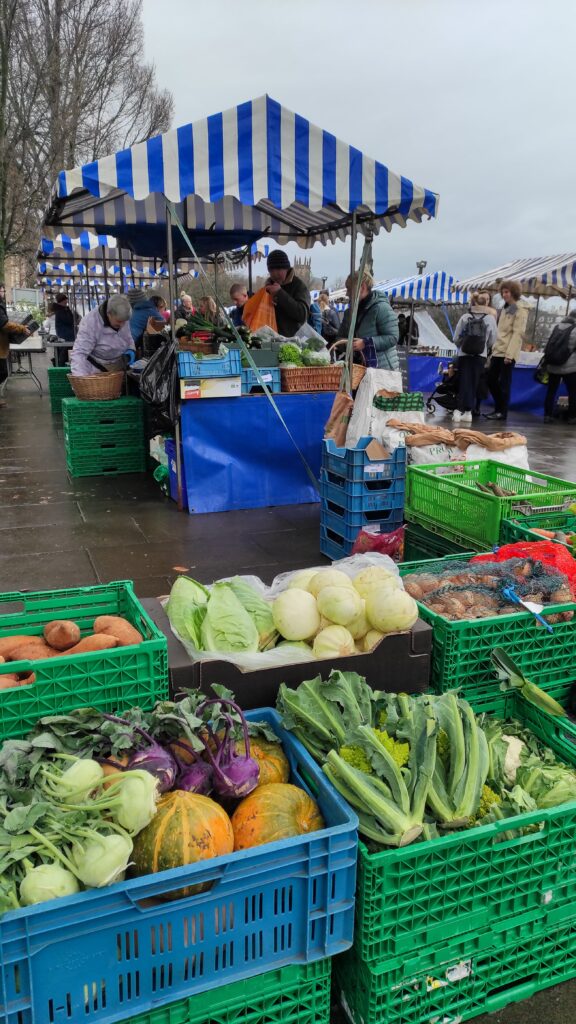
pixel 252 171
pixel 547 276
pixel 65 245
pixel 433 287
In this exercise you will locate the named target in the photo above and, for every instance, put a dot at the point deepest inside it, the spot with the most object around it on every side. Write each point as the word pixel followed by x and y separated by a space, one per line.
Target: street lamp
pixel 421 264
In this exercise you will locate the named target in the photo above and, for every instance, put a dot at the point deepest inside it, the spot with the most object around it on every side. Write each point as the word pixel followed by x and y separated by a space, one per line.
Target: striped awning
pixel 545 275
pixel 434 287
pixel 252 171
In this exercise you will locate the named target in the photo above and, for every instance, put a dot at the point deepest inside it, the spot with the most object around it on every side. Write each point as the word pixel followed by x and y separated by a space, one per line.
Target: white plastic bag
pixel 278 656
pixel 389 436
pixel 516 456
pixel 427 454
pixel 372 382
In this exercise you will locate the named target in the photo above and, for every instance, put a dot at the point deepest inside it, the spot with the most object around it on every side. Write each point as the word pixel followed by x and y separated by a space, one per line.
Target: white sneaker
pixel 466 417
pixel 456 416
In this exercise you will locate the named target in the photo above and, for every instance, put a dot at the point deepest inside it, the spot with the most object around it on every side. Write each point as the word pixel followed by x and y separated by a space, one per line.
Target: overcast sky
pixel 472 100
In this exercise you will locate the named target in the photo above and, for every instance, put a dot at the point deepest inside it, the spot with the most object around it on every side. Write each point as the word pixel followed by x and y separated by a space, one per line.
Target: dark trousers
pixel 469 373
pixel 3 370
pixel 554 380
pixel 499 381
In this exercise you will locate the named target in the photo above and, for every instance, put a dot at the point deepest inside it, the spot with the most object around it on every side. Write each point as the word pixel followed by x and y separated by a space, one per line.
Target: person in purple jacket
pixel 104 334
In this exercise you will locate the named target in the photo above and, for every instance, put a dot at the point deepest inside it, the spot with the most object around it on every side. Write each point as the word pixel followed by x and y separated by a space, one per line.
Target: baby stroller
pixel 446 390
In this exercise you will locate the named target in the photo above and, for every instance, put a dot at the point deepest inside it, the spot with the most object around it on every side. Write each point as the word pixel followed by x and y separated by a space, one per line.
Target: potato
pixel 34 650
pixel 93 642
pixel 27 680
pixel 7 643
pixel 414 589
pixel 115 625
pixel 61 634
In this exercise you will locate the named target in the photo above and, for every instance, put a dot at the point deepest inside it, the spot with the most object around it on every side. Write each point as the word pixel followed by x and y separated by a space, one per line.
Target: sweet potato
pixel 61 634
pixel 27 680
pixel 8 681
pixel 34 650
pixel 115 625
pixel 7 643
pixel 93 642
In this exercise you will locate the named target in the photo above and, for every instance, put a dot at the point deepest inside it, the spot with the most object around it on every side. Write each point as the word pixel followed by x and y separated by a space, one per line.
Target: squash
pixel 186 828
pixel 272 761
pixel 275 811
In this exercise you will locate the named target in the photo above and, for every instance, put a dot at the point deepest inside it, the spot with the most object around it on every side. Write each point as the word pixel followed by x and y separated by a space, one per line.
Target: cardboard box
pixel 210 387
pixel 401 662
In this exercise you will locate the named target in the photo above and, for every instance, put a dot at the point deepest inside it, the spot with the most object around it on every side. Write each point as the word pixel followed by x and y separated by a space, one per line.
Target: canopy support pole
pixel 353 244
pixel 121 271
pixel 250 272
pixel 170 255
pixel 535 318
pixel 105 273
pixel 568 297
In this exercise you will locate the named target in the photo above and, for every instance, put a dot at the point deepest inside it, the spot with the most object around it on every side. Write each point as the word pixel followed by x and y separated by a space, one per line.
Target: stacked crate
pixel 59 387
pixel 104 438
pixel 356 491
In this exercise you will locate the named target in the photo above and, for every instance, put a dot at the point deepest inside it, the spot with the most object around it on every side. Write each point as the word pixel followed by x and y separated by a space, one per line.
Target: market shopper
pixel 185 308
pixel 238 297
pixel 65 320
pixel 145 308
pixel 104 335
pixel 376 335
pixel 7 329
pixel 562 342
pixel 512 320
pixel 330 318
pixel 289 294
pixel 209 310
pixel 475 335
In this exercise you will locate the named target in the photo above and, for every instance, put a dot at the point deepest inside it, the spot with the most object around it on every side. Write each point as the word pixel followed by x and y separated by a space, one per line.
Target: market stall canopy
pixel 105 248
pixel 546 276
pixel 433 287
pixel 127 270
pixel 254 170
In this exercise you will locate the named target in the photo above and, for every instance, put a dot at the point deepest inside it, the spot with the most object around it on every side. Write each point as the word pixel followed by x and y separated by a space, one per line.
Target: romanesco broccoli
pixel 354 754
pixel 488 798
pixel 443 747
pixel 356 757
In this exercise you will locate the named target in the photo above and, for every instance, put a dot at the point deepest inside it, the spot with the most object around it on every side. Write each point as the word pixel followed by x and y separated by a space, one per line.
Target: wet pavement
pixel 57 532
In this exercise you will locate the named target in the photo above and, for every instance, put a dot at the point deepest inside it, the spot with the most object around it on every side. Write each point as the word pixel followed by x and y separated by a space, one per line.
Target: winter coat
pixel 377 324
pixel 330 324
pixel 7 327
pixel 97 338
pixel 292 304
pixel 141 313
pixel 315 318
pixel 490 325
pixel 65 323
pixel 512 322
pixel 570 365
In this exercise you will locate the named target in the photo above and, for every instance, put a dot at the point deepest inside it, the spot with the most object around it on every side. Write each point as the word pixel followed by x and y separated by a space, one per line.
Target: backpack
pixel 474 335
pixel 558 347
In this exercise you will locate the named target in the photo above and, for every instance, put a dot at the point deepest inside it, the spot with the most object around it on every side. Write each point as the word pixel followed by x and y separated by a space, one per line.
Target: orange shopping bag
pixel 259 311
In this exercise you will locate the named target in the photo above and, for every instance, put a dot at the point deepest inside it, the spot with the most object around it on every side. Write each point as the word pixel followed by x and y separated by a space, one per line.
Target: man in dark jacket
pixel 289 293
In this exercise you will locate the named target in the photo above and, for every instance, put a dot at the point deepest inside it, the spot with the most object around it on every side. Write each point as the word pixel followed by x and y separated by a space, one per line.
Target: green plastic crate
pixel 461 650
pixel 58 387
pixel 444 498
pixel 110 680
pixel 442 990
pixel 109 460
pixel 410 401
pixel 520 528
pixel 420 544
pixel 289 995
pixel 446 893
pixel 85 417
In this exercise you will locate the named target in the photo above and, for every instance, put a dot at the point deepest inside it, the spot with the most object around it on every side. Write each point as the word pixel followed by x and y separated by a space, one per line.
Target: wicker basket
pixel 205 347
pixel 101 387
pixel 311 378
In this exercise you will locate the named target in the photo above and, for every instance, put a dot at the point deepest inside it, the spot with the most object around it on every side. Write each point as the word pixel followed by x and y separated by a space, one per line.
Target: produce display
pixel 482 588
pixel 89 797
pixel 197 324
pixel 415 767
pixel 291 356
pixel 62 638
pixel 324 612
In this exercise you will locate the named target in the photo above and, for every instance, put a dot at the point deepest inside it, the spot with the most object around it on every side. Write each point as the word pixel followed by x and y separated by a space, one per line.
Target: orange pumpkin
pixel 186 828
pixel 272 761
pixel 274 811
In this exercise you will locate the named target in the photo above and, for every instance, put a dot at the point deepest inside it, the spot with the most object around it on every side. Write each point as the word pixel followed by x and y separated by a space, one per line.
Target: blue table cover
pixel 526 395
pixel 237 454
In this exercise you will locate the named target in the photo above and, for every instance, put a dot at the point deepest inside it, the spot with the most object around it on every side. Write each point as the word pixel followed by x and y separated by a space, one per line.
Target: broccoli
pixel 354 755
pixel 443 748
pixel 487 800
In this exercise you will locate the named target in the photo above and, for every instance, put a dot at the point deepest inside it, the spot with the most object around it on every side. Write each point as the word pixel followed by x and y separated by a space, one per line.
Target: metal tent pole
pixel 353 245
pixel 568 297
pixel 250 272
pixel 121 270
pixel 105 273
pixel 535 318
pixel 170 254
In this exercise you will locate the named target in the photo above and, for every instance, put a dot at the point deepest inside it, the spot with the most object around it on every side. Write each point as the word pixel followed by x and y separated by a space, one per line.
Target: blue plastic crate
pixel 338 518
pixel 354 464
pixel 333 545
pixel 108 954
pixel 347 534
pixel 382 494
pixel 190 365
pixel 270 375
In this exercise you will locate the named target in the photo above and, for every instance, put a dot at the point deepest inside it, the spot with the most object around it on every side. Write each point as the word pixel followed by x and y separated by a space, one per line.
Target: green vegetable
pixel 186 609
pixel 227 626
pixel 356 756
pixel 322 713
pixel 547 784
pixel 259 611
pixel 290 353
pixel 46 882
pixel 102 860
pixel 512 678
pixel 312 358
pixel 456 788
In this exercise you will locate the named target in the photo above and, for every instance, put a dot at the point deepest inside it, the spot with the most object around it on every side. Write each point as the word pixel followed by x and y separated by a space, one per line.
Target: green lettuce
pixel 227 626
pixel 259 611
pixel 186 609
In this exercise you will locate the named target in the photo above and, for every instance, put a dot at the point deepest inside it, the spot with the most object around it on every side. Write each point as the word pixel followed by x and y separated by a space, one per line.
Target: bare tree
pixel 73 87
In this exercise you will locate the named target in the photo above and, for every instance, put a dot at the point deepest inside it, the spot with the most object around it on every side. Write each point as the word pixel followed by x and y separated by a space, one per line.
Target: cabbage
pixel 47 882
pixel 340 605
pixel 227 625
pixel 186 609
pixel 296 615
pixel 302 579
pixel 373 637
pixel 328 578
pixel 391 610
pixel 102 860
pixel 360 625
pixel 259 611
pixel 333 642
pixel 311 358
pixel 375 576
pixel 300 645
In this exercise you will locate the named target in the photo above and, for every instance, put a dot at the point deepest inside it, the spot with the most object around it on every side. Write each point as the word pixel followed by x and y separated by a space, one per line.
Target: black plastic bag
pixel 159 385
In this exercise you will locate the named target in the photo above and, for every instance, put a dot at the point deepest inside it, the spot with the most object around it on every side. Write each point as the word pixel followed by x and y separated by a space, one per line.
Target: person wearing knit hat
pixel 135 295
pixel 289 294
